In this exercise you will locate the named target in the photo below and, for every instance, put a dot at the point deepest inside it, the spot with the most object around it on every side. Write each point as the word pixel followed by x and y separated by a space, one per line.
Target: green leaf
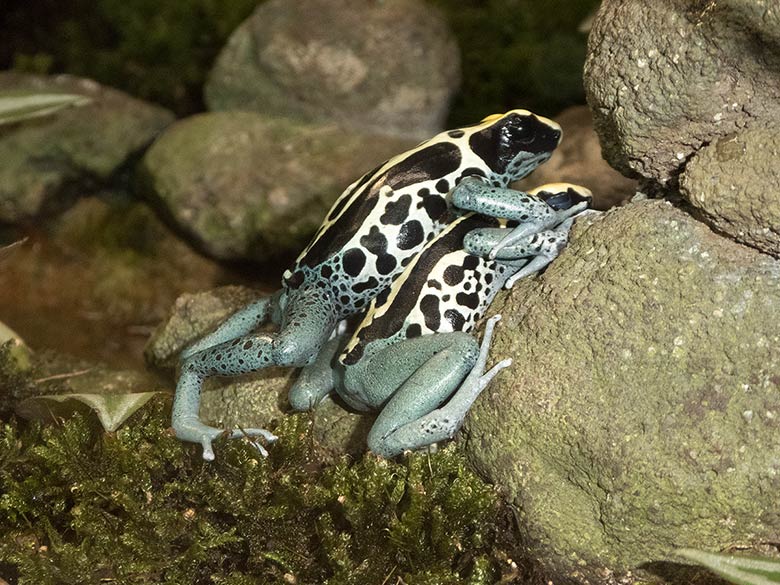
pixel 18 106
pixel 111 409
pixel 740 570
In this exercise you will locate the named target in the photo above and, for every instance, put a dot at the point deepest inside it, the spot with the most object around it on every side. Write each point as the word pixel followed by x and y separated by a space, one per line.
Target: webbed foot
pixel 194 431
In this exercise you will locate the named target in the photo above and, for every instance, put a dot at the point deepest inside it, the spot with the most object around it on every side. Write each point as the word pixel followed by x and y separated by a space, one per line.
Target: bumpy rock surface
pixel 642 412
pixel 578 160
pixel 250 187
pixel 46 162
pixel 735 181
pixel 385 67
pixel 665 78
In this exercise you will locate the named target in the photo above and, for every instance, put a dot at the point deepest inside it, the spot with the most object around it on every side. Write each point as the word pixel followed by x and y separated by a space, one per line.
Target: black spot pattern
pixel 455 318
pixel 376 243
pixel 455 133
pixel 396 212
pixel 326 272
pixel 435 206
pixel 470 262
pixel 410 235
pixel 429 305
pixel 442 186
pixel 453 275
pixel 414 330
pixel 470 300
pixel 430 163
pixel 363 286
pixel 354 261
pixel 433 283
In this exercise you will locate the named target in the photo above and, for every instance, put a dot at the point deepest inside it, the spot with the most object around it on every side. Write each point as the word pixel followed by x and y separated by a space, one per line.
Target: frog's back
pixel 443 289
pixel 379 224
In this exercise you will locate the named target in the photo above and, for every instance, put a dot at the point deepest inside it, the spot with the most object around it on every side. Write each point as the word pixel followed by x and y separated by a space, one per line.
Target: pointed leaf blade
pixel 111 409
pixel 737 569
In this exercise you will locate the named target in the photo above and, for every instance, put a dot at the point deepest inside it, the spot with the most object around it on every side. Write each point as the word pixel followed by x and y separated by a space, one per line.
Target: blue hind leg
pixel 307 327
pixel 419 375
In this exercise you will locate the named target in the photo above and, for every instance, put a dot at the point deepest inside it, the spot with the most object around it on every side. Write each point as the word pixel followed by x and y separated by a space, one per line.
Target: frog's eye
pixel 521 133
pixel 492 118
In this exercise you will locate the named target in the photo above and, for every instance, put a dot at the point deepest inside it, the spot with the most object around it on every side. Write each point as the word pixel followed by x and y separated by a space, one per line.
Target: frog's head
pixel 515 143
pixel 563 196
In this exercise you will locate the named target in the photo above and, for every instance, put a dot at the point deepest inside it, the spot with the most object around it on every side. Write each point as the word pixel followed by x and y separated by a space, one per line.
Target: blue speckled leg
pixel 296 344
pixel 420 374
pixel 237 325
pixel 530 209
pixel 526 256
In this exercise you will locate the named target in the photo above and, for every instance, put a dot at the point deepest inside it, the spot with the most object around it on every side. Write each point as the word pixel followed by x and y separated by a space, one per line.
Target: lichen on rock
pixel 377 67
pixel 641 412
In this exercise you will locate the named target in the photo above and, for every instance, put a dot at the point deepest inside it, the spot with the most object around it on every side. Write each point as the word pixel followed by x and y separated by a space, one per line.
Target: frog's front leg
pixel 306 326
pixel 237 325
pixel 537 210
pixel 317 379
pixel 529 255
pixel 420 374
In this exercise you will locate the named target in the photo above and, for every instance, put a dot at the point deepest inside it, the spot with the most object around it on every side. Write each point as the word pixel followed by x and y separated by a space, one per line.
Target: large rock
pixel 250 187
pixel 45 162
pixel 578 160
pixel 735 181
pixel 386 67
pixel 642 412
pixel 665 78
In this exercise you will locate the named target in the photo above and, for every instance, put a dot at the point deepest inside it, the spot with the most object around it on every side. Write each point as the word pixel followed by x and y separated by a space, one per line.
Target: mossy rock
pixel 46 162
pixel 642 411
pixel 687 74
pixel 245 186
pixel 376 67
pixel 735 183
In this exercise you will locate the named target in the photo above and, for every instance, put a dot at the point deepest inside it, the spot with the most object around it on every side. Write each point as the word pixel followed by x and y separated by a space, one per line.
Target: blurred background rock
pixel 513 52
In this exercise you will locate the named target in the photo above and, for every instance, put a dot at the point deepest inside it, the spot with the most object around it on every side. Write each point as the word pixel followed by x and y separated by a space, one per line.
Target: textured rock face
pixel 578 160
pixel 387 67
pixel 249 187
pixel 642 412
pixel 735 181
pixel 665 78
pixel 44 162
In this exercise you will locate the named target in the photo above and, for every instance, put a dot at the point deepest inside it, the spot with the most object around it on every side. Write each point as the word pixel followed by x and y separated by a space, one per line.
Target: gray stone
pixel 250 187
pixel 191 316
pixel 386 67
pixel 665 78
pixel 735 182
pixel 642 412
pixel 46 162
pixel 578 160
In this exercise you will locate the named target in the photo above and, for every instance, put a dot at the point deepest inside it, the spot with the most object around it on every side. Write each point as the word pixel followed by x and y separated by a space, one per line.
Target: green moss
pixel 79 505
pixel 155 50
pixel 517 53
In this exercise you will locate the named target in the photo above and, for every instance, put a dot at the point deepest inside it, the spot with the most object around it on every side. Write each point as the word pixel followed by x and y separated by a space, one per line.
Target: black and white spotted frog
pixel 413 351
pixel 372 232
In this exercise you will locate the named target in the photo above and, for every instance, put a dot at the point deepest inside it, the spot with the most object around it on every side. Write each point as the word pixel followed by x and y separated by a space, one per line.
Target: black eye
pixel 520 134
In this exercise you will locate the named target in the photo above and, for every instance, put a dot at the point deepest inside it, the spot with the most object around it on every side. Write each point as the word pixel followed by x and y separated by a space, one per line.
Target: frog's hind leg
pixel 237 325
pixel 414 417
pixel 305 330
